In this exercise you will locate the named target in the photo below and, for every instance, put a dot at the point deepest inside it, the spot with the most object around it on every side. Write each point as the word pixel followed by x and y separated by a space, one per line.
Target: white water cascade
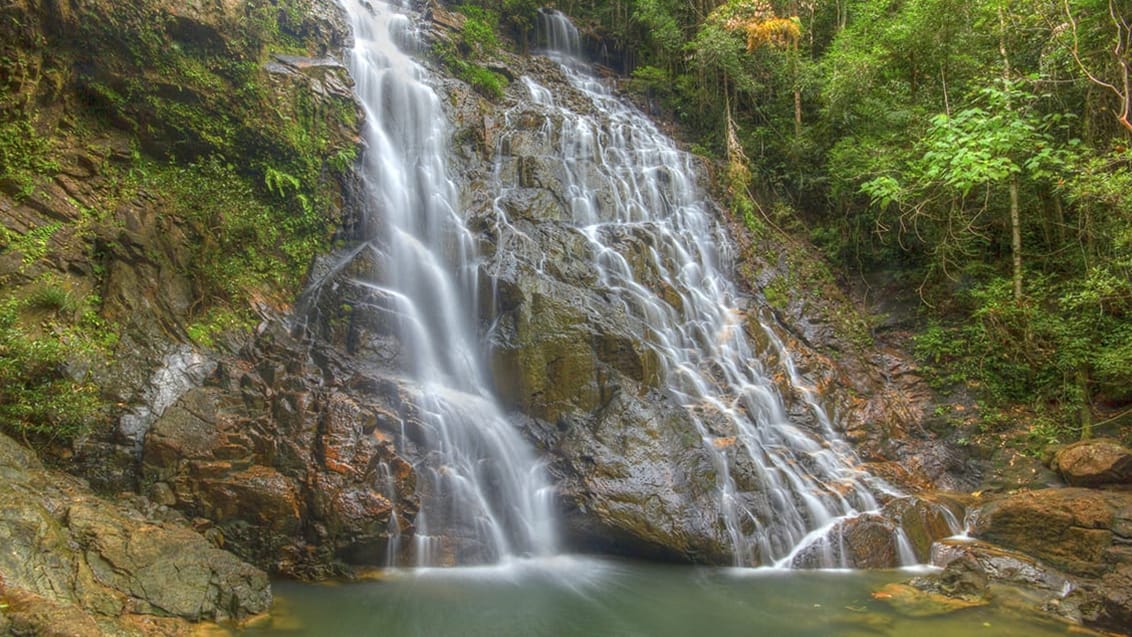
pixel 484 497
pixel 625 176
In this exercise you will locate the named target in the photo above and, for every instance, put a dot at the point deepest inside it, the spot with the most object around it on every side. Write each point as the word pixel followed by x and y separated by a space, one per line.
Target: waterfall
pixel 623 175
pixel 483 495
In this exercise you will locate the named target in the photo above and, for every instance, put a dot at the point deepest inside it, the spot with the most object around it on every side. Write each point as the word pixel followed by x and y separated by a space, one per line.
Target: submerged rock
pixel 911 601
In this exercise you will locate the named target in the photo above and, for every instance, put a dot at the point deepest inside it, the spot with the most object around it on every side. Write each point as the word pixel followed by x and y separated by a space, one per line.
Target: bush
pixel 42 393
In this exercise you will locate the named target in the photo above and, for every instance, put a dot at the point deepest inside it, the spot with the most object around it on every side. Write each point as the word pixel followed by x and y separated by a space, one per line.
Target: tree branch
pixel 1119 52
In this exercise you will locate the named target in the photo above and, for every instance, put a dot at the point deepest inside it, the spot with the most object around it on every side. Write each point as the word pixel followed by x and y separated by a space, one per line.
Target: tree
pixel 1117 79
pixel 763 28
pixel 943 194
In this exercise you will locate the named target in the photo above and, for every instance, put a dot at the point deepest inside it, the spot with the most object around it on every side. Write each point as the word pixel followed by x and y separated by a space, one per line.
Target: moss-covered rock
pixel 98 563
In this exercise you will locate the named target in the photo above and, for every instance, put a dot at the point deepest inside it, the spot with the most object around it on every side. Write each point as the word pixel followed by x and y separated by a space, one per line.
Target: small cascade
pixel 393 548
pixel 483 495
pixel 559 36
pixel 904 550
pixel 625 178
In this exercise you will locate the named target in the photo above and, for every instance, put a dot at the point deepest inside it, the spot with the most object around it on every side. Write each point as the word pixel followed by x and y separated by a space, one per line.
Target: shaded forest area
pixel 976 152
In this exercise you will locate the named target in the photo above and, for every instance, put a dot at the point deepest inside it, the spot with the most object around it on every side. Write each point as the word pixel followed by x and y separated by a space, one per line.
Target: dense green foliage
pixel 978 150
pixel 48 341
pixel 477 41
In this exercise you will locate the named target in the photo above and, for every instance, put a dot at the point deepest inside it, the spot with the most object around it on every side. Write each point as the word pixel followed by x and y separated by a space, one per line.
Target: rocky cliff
pixel 166 171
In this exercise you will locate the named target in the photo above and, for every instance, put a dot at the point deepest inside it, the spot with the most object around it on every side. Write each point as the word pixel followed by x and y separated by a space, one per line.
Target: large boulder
pixel 97 563
pixel 1084 533
pixel 1092 463
pixel 1081 531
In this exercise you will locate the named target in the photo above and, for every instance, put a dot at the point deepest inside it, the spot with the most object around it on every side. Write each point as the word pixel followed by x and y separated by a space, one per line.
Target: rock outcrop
pixel 578 365
pixel 293 462
pixel 113 116
pixel 77 564
pixel 1084 533
pixel 325 443
pixel 299 445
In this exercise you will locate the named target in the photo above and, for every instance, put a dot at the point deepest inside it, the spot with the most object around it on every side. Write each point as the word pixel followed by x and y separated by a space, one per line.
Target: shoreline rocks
pixel 104 566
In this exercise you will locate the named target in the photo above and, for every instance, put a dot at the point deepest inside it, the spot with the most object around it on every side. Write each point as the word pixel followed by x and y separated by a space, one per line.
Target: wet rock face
pixel 99 563
pixel 295 465
pixel 635 481
pixel 579 367
pixel 107 86
pixel 304 450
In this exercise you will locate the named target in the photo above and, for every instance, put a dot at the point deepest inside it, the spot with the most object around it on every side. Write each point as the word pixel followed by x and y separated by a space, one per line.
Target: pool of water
pixel 588 597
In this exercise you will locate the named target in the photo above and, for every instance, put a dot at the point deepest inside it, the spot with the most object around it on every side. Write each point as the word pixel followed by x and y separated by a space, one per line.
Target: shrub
pixel 43 393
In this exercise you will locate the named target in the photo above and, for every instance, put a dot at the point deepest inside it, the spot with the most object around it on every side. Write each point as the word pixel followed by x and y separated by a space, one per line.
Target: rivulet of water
pixel 621 172
pixel 484 497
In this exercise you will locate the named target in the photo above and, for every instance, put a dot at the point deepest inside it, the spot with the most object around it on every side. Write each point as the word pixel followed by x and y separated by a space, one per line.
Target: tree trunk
pixel 1016 237
pixel 1086 409
pixel 1122 85
pixel 1015 213
pixel 797 112
pixel 797 93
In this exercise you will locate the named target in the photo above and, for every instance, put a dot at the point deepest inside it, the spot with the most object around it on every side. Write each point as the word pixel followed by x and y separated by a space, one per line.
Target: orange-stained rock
pixel 1071 529
pixel 869 542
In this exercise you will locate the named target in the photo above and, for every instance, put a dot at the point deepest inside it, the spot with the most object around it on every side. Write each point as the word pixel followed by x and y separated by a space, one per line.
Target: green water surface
pixel 586 597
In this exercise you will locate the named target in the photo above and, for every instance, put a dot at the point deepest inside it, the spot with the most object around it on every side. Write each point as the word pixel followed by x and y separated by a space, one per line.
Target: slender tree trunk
pixel 1122 86
pixel 1016 237
pixel 1015 213
pixel 795 65
pixel 797 112
pixel 1059 219
pixel 1086 409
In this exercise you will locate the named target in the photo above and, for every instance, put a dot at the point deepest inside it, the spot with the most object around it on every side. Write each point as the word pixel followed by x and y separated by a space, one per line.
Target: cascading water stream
pixel 623 176
pixel 484 497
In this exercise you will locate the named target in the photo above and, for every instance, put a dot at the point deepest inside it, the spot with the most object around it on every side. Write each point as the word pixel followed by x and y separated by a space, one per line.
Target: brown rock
pixel 259 494
pixel 870 542
pixel 925 519
pixel 998 565
pixel 74 564
pixel 1113 608
pixel 1091 463
pixel 964 578
pixel 1071 529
